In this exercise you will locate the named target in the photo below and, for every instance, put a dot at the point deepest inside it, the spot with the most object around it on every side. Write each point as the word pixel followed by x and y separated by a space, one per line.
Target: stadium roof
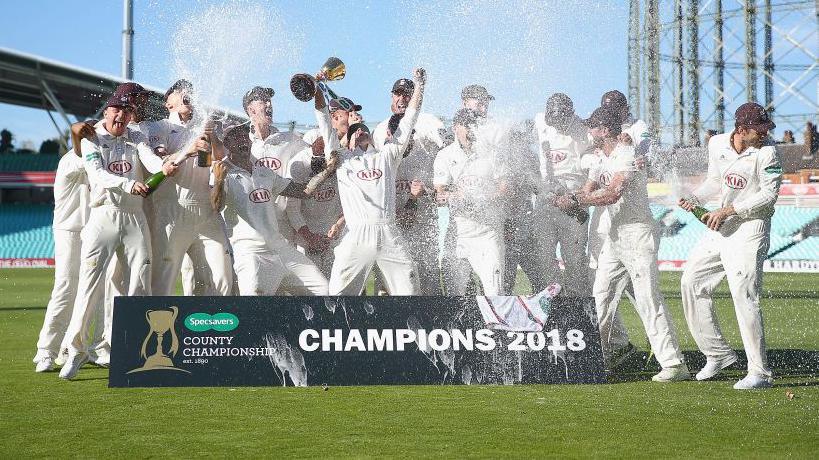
pixel 37 82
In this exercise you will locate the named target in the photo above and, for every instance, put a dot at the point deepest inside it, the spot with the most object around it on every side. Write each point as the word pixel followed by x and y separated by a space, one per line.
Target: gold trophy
pixel 161 322
pixel 303 85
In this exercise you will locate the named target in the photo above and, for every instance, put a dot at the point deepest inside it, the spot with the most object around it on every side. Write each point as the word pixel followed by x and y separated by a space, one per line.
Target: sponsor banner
pixel 799 189
pixel 27 179
pixel 793 266
pixel 308 341
pixel 790 266
pixel 26 263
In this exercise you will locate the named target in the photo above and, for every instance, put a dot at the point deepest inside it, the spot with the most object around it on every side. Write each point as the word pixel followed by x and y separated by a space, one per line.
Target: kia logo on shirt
pixel 605 178
pixel 119 167
pixel 269 163
pixel 734 180
pixel 260 195
pixel 325 195
pixel 370 174
pixel 558 156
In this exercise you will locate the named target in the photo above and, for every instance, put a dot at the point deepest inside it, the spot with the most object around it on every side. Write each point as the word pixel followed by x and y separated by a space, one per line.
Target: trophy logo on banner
pixel 161 323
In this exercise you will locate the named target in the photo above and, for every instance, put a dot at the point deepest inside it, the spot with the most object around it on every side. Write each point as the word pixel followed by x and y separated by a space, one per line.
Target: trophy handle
pixel 174 338
pixel 142 351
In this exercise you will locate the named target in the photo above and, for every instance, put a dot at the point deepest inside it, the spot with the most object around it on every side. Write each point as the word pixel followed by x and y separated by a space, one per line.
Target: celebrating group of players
pixel 312 214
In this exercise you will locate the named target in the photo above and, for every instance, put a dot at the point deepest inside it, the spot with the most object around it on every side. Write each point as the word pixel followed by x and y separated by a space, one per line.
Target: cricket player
pixel 525 228
pixel 246 194
pixel 71 199
pixel 563 141
pixel 632 243
pixel 114 162
pixel 634 132
pixel 474 182
pixel 271 149
pixel 418 213
pixel 317 217
pixel 745 170
pixel 476 98
pixel 366 181
pixel 184 221
pixel 339 121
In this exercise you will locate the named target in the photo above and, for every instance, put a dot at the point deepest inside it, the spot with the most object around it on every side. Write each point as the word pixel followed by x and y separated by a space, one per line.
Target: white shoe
pixel 673 374
pixel 73 365
pixel 100 357
pixel 45 364
pixel 713 367
pixel 754 382
pixel 61 358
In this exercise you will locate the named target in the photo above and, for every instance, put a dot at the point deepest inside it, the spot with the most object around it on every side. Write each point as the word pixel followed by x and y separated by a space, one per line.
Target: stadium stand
pixel 25 232
pixel 14 162
pixel 807 249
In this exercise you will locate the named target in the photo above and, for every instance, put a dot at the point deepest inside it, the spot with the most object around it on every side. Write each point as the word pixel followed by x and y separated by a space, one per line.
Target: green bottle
pixel 154 180
pixel 698 212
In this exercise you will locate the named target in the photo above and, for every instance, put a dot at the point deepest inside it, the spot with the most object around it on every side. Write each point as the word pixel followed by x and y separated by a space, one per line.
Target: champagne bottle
pixel 204 158
pixel 698 212
pixel 154 180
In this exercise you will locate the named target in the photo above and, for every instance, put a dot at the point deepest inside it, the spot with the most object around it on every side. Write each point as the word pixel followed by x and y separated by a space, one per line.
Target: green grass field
pixel 41 416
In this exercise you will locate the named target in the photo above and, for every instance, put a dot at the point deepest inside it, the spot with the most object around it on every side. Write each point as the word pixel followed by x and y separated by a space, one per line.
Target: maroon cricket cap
pixel 614 98
pixel 752 115
pixel 347 101
pixel 403 86
pixel 119 100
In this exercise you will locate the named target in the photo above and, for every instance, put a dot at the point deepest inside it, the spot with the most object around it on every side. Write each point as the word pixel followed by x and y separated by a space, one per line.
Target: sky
pixel 521 50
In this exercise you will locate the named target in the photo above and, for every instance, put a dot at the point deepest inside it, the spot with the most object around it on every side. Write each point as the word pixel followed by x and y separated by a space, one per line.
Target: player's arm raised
pixel 400 142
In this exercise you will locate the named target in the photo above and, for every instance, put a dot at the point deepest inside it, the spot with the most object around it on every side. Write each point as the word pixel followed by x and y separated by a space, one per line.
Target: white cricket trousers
pixel 365 245
pixel 738 257
pixel 265 273
pixel 193 229
pixel 633 247
pixel 422 245
pixel 67 247
pixel 618 335
pixel 109 231
pixel 572 237
pixel 485 255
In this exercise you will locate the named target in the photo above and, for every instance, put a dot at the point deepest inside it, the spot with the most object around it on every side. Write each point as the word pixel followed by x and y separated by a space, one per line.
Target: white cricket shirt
pixel 114 164
pixel 71 193
pixel 250 210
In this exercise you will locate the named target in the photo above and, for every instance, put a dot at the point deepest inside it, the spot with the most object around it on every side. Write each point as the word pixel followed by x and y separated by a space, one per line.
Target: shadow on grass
pixel 786 363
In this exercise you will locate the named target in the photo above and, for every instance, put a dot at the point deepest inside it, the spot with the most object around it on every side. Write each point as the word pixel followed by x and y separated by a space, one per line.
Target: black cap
pixel 403 86
pixel 558 107
pixel 476 92
pixel 465 117
pixel 238 131
pixel 752 115
pixel 355 127
pixel 614 98
pixel 606 117
pixel 349 103
pixel 258 93
pixel 180 85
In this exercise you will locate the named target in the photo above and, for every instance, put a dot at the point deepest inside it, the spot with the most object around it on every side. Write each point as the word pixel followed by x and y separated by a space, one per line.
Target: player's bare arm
pixel 217 194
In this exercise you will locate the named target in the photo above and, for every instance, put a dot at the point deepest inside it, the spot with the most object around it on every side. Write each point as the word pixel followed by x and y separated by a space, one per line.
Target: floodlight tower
pixel 128 39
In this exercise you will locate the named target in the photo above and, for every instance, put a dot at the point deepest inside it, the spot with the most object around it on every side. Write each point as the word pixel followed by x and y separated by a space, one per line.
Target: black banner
pixel 268 341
